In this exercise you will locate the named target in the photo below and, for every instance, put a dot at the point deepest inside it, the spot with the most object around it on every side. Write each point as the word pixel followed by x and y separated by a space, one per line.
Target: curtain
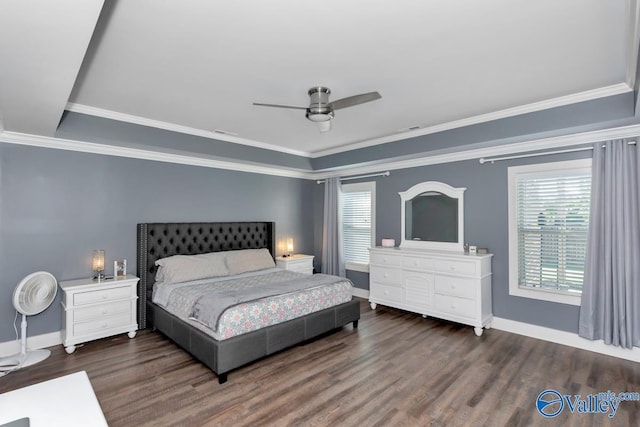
pixel 610 307
pixel 332 261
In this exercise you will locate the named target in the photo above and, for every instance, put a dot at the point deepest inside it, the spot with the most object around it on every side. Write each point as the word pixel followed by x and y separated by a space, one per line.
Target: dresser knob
pixel 105 324
pixel 386 275
pixel 105 311
pixel 104 296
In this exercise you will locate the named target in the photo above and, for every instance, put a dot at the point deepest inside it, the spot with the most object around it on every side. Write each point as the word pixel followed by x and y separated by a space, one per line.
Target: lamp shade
pixel 97 260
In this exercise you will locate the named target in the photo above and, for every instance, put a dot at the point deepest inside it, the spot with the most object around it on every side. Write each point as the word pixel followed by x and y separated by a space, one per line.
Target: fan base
pixel 30 358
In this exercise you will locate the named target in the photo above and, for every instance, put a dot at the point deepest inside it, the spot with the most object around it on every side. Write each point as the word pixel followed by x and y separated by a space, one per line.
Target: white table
pixel 64 401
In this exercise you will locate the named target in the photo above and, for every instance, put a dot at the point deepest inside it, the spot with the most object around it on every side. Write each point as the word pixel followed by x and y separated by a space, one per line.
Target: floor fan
pixel 32 296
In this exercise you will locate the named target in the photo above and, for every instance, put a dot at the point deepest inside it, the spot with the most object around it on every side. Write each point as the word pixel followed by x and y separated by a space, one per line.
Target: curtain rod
pixel 545 153
pixel 386 173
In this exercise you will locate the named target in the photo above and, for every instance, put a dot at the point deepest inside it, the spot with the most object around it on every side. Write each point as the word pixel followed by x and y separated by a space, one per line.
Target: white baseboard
pixel 565 338
pixel 360 293
pixel 33 343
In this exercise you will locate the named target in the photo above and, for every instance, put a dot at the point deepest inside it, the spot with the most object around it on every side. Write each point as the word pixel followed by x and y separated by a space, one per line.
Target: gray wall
pixel 486 218
pixel 56 206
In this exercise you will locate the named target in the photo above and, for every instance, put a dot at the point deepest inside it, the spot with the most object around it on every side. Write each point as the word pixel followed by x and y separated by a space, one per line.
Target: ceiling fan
pixel 320 110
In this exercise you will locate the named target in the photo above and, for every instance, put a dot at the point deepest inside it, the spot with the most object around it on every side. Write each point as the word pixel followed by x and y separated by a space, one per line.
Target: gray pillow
pixel 246 260
pixel 184 268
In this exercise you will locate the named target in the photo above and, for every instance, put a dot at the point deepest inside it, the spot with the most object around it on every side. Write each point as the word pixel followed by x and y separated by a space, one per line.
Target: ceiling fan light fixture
pixel 319 116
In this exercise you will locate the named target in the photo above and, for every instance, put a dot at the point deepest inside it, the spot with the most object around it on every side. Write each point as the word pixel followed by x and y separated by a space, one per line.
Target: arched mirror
pixel 432 216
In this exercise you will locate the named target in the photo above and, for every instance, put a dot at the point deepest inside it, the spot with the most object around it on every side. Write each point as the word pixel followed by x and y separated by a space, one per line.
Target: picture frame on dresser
pixel 119 268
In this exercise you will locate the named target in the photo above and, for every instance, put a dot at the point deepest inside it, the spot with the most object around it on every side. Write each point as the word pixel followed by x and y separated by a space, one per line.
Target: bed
pixel 158 241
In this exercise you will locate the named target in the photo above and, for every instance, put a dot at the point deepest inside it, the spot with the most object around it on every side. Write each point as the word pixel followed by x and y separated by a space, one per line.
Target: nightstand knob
pixel 105 311
pixel 105 324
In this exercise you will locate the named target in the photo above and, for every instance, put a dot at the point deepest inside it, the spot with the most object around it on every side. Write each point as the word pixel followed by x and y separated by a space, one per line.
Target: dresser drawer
pixel 456 286
pixel 456 267
pixel 102 310
pixel 385 259
pixel 92 297
pixel 387 293
pixel 457 306
pixel 106 323
pixel 386 275
pixel 418 263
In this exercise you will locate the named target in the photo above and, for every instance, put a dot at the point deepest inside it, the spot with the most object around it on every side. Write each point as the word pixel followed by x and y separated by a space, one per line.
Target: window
pixel 358 224
pixel 548 223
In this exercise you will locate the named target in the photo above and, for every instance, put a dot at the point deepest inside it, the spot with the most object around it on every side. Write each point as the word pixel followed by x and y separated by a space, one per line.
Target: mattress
pixel 179 299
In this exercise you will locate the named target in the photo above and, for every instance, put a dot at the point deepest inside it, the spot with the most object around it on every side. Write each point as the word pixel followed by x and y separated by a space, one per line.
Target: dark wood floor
pixel 396 369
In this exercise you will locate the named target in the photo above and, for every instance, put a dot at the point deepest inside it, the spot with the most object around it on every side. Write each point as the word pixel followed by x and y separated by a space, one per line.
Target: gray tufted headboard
pixel 161 240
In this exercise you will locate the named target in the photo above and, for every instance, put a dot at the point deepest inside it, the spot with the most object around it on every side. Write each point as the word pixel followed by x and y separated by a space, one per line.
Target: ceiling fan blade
pixel 259 104
pixel 324 126
pixel 350 101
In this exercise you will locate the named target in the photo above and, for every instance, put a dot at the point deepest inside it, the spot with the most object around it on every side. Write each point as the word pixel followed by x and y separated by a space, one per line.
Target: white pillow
pixel 246 260
pixel 184 268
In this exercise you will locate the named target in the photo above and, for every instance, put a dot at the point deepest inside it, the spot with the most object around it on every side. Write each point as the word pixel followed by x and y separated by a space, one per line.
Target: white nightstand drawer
pixel 299 263
pixel 92 297
pixel 101 324
pixel 102 310
pixel 454 305
pixel 456 286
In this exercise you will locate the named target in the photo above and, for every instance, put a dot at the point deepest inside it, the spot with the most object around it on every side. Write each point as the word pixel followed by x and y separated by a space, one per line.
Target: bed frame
pixel 160 240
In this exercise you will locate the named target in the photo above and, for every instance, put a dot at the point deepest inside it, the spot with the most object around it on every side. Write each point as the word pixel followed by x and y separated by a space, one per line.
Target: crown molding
pixel 589 95
pixel 575 139
pixel 129 118
pixel 158 156
pixel 425 159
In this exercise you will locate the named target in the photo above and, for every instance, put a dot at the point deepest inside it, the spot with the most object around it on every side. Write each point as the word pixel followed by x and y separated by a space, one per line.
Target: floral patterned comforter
pixel 252 315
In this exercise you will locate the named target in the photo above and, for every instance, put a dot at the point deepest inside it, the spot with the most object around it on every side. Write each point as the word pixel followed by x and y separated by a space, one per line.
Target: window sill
pixel 545 295
pixel 363 268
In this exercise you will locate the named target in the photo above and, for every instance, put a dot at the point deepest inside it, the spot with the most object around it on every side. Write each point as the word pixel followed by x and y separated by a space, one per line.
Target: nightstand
pixel 93 310
pixel 300 263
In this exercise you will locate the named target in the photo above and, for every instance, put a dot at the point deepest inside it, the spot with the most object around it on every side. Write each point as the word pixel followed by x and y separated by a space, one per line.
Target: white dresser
pixel 93 309
pixel 447 285
pixel 299 262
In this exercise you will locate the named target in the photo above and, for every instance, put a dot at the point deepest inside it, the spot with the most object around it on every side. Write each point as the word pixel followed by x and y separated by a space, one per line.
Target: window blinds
pixel 552 221
pixel 356 225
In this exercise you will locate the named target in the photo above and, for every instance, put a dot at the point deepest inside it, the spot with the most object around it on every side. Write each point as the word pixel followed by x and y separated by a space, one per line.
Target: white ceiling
pixel 197 66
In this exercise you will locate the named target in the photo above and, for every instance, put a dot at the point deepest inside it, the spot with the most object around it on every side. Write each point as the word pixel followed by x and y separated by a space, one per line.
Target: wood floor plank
pixel 396 369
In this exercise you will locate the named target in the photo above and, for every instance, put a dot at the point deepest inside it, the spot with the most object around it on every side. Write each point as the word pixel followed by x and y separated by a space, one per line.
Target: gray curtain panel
pixel 332 261
pixel 610 308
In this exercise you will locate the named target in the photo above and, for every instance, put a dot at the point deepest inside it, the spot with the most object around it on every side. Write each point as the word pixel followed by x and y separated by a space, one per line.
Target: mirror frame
pixel 440 187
